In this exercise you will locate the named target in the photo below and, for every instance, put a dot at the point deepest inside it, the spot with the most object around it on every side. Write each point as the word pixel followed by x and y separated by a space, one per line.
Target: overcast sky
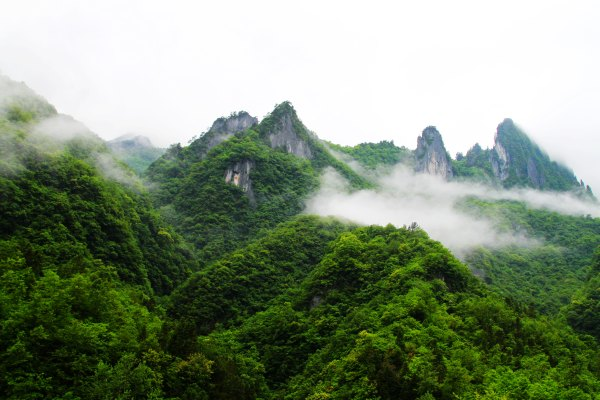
pixel 355 71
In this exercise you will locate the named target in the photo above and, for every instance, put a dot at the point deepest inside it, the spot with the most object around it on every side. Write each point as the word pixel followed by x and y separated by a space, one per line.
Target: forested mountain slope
pixel 60 203
pixel 100 297
pixel 377 312
pixel 226 187
pixel 546 273
pixel 83 259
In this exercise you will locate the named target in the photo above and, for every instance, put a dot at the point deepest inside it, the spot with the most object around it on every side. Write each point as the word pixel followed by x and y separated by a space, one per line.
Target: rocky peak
pixel 222 129
pixel 517 161
pixel 500 156
pixel 236 122
pixel 130 141
pixel 285 131
pixel 431 156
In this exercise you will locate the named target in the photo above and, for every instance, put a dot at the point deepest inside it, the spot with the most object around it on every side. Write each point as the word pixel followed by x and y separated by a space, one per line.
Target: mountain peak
pixel 131 140
pixel 283 130
pixel 222 129
pixel 284 108
pixel 236 122
pixel 431 155
pixel 518 161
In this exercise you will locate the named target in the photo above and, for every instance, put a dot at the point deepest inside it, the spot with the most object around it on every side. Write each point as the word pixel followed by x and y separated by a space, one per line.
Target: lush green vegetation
pixel 83 260
pixel 584 311
pixel 475 165
pixel 136 157
pixel 377 312
pixel 374 155
pixel 280 183
pixel 58 209
pixel 545 274
pixel 529 165
pixel 100 298
pixel 218 217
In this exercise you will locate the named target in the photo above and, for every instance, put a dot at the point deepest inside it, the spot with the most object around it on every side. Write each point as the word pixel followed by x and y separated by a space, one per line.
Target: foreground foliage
pixel 383 312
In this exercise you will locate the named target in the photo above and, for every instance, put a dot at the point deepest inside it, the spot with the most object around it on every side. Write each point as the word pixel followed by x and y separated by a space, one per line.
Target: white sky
pixel 355 71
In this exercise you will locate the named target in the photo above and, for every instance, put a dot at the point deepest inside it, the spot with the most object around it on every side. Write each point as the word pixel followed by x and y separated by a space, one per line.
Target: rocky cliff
pixel 283 130
pixel 238 174
pixel 431 156
pixel 517 161
pixel 222 129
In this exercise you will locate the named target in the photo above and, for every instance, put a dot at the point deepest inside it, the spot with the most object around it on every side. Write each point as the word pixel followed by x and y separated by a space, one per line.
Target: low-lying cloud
pixel 54 134
pixel 63 128
pixel 110 168
pixel 404 197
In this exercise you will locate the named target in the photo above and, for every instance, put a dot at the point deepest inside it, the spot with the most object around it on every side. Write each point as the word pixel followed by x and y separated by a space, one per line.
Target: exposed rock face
pixel 222 129
pixel 431 156
pixel 236 122
pixel 517 161
pixel 536 179
pixel 284 136
pixel 239 175
pixel 500 160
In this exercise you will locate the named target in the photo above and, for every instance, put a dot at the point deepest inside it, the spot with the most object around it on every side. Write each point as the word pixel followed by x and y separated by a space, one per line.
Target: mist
pixel 404 197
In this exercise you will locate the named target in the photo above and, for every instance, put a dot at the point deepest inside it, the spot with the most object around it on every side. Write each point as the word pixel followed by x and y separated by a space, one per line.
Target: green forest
pixel 181 283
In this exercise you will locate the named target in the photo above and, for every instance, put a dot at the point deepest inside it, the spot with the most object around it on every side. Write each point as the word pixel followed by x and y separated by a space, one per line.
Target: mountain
pixel 221 130
pixel 135 150
pixel 222 192
pixel 516 161
pixel 242 297
pixel 431 156
pixel 67 199
pixel 84 260
pixel 544 274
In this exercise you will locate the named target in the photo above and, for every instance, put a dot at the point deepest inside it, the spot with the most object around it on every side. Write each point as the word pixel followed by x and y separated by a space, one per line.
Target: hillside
pixel 369 313
pixel 209 283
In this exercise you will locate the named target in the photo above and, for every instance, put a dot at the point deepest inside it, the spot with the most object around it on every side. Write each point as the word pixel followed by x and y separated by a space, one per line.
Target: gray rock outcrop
pixel 500 160
pixel 238 174
pixel 222 129
pixel 431 156
pixel 285 137
pixel 236 122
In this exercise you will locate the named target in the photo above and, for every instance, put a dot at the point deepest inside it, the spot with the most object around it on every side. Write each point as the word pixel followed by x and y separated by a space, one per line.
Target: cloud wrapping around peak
pixel 404 197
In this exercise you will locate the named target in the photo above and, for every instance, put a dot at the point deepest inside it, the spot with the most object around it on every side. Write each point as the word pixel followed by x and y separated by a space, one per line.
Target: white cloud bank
pixel 404 197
